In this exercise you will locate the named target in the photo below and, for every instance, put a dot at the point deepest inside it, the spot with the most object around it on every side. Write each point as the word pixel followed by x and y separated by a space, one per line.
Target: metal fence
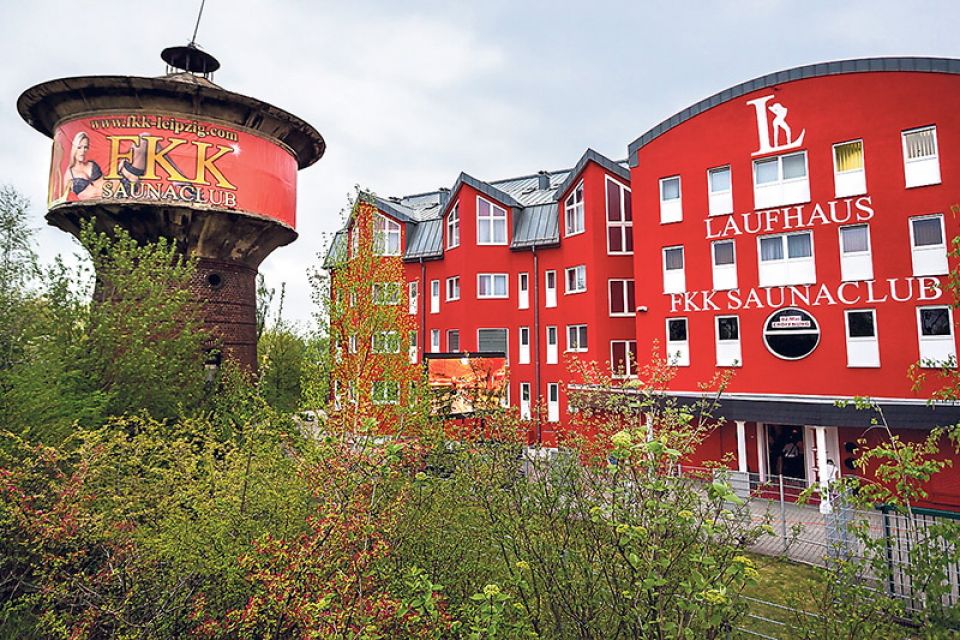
pixel 805 532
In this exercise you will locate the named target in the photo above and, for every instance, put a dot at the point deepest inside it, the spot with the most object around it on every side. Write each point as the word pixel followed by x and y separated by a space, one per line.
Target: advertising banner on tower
pixel 165 159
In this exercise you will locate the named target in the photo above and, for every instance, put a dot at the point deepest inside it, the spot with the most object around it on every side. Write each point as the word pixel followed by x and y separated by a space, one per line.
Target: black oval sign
pixel 791 333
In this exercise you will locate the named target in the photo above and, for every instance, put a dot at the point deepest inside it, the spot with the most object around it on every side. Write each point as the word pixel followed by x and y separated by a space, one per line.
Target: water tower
pixel 179 157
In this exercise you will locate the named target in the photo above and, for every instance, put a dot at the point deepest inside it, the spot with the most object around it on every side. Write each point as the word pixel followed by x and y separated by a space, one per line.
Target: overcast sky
pixel 408 94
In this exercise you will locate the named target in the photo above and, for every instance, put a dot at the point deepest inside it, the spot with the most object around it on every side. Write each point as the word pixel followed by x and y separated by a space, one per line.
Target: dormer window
pixel 491 223
pixel 386 236
pixel 453 227
pixel 573 212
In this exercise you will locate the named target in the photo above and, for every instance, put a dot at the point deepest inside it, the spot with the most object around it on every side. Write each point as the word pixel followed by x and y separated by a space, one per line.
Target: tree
pixel 374 383
pixel 118 333
pixel 18 268
pixel 282 360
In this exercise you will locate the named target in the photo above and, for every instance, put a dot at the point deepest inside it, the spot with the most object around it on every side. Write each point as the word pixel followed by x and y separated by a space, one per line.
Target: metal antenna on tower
pixel 193 40
pixel 190 58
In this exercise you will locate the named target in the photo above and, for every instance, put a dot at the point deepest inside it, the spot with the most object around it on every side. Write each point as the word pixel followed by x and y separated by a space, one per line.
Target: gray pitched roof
pixel 536 226
pixel 526 189
pixel 616 168
pixel 485 188
pixel 337 252
pixel 535 209
pixel 860 65
pixel 425 240
pixel 396 210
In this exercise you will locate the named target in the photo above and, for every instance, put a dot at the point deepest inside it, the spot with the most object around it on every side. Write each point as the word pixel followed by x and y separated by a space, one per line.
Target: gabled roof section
pixel 485 188
pixel 527 190
pixel 395 210
pixel 425 240
pixel 536 226
pixel 616 168
pixel 838 67
pixel 337 252
pixel 533 199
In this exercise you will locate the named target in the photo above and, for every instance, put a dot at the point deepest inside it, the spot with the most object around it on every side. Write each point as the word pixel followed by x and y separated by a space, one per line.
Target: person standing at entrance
pixel 791 458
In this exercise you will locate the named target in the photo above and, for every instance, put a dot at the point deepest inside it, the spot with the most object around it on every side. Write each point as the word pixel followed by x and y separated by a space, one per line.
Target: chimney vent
pixel 444 194
pixel 543 180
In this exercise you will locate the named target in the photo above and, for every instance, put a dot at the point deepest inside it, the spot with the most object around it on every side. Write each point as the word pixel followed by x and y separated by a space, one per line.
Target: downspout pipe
pixel 422 308
pixel 536 343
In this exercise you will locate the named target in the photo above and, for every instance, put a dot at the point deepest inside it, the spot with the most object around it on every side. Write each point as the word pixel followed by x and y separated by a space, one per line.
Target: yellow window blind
pixel 849 156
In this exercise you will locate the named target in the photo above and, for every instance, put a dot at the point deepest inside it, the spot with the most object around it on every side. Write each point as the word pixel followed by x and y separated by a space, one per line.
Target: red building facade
pixel 538 267
pixel 794 229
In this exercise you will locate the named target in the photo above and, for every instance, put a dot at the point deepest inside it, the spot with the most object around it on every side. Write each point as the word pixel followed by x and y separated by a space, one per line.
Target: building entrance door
pixel 786 454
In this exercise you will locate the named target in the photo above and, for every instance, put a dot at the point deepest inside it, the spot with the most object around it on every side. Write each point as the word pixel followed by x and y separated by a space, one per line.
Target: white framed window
pixel 385 392
pixel 849 176
pixel 622 298
pixel 352 299
pixel 623 358
pixel 921 157
pixel 671 208
pixel 492 340
pixel 780 180
pixel 435 340
pixel 524 400
pixel 856 261
pixel 352 344
pixel 453 288
pixel 492 285
pixel 577 338
pixel 678 344
pixel 337 396
pixel 491 223
pixel 863 347
pixel 619 218
pixel 674 277
pixel 385 342
pixel 387 293
pixel 720 190
pixel 453 340
pixel 935 330
pixel 727 336
pixel 576 279
pixel 523 291
pixel 573 218
pixel 550 288
pixel 928 246
pixel 386 236
pixel 524 339
pixel 786 258
pixel 553 402
pixel 412 351
pixel 354 240
pixel 552 346
pixel 434 296
pixel 453 227
pixel 413 297
pixel 724 260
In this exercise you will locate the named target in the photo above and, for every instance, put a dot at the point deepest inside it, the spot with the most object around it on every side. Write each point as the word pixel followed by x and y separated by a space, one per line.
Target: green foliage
pixel 118 534
pixel 18 268
pixel 139 499
pixel 84 348
pixel 282 359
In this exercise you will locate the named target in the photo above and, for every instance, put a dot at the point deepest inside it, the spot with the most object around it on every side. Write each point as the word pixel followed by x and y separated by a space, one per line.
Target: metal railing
pixel 806 533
